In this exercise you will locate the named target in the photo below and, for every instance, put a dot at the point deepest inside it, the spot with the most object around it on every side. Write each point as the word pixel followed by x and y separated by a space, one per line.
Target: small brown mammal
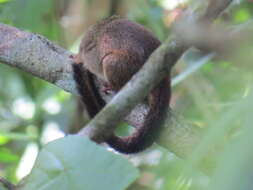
pixel 114 50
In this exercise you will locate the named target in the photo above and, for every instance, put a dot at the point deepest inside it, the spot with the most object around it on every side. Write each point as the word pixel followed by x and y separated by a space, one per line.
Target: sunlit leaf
pixel 242 15
pixel 3 139
pixel 77 163
pixel 4 1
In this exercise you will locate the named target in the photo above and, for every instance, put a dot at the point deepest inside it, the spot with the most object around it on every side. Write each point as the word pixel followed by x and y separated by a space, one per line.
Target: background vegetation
pixel 217 96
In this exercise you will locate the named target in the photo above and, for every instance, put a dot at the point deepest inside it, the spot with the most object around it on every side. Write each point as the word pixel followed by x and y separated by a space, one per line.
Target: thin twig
pixel 193 68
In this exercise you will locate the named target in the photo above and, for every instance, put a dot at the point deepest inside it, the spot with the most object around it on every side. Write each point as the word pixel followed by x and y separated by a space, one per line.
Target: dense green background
pixel 217 97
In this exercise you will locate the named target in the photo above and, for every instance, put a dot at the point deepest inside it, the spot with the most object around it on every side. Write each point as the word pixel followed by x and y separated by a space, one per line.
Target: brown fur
pixel 114 50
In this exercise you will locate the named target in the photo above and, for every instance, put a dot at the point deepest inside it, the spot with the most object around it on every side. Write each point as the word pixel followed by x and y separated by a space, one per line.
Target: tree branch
pixel 36 55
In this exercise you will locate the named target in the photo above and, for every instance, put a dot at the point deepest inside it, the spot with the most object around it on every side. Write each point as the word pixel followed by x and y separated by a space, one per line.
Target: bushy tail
pixel 145 135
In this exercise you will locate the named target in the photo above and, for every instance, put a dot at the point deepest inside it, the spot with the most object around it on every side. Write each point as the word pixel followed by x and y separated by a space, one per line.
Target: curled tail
pixel 87 89
pixel 146 135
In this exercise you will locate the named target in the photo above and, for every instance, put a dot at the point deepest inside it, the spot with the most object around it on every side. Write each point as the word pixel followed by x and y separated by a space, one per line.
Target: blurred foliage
pixel 217 97
pixel 63 170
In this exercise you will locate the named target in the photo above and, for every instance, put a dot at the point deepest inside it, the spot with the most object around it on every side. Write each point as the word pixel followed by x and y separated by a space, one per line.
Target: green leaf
pixel 4 1
pixel 6 136
pixel 77 163
pixel 3 139
pixel 7 157
pixel 242 15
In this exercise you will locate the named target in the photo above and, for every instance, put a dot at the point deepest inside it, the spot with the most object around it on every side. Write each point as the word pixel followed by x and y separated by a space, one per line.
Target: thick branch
pixel 36 55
